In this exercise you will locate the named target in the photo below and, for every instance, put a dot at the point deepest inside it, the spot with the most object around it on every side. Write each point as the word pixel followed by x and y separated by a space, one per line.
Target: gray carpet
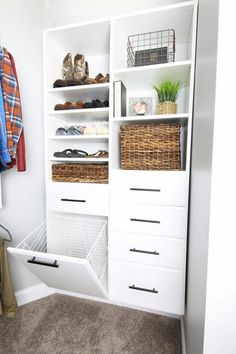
pixel 61 324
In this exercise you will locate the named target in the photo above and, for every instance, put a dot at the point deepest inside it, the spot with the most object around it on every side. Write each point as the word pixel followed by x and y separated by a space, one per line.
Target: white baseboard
pixel 33 293
pixel 183 336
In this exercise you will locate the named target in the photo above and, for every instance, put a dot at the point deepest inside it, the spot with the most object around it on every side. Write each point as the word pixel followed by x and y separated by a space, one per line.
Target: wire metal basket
pixel 71 236
pixel 151 48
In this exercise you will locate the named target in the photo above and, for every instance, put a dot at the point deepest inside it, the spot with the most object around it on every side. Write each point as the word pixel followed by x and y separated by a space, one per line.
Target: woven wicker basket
pixel 150 147
pixel 166 108
pixel 80 172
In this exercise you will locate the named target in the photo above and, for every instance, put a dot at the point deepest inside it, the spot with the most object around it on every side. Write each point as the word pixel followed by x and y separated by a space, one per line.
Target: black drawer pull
pixel 145 190
pixel 147 252
pixel 144 220
pixel 133 287
pixel 73 200
pixel 34 261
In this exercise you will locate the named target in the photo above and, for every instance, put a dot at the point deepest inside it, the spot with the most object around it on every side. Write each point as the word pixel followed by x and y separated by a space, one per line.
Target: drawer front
pixel 79 198
pixel 152 250
pixel 146 286
pixel 149 219
pixel 148 188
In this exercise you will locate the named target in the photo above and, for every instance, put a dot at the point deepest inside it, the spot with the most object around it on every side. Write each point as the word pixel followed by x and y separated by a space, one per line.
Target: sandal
pixel 79 153
pixel 64 153
pixel 99 153
pixel 69 153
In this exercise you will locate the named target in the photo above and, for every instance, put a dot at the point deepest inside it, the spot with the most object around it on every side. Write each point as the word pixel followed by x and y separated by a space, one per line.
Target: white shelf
pixel 79 137
pixel 83 92
pixel 100 113
pixel 82 159
pixel 154 118
pixel 143 77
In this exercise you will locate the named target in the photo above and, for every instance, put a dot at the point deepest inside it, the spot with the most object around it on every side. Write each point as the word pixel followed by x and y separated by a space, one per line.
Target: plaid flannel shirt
pixel 12 106
pixel 4 154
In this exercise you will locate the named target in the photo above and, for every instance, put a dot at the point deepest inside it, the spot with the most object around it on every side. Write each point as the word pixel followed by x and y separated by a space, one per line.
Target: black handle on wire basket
pixel 34 261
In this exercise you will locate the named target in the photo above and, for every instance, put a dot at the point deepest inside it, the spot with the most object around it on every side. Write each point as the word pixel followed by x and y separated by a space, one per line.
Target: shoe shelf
pixel 100 113
pixel 79 137
pixel 84 92
pixel 83 159
pixel 162 118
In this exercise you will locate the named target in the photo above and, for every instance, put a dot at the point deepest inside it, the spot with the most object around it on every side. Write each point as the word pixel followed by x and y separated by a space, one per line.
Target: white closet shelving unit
pixel 146 211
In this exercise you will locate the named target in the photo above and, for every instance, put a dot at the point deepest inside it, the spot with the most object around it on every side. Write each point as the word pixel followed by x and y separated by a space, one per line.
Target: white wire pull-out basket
pixel 71 236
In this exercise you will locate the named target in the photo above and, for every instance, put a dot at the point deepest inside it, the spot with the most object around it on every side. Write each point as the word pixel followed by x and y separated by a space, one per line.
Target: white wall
pixel 201 175
pixel 62 12
pixel 23 192
pixel 220 325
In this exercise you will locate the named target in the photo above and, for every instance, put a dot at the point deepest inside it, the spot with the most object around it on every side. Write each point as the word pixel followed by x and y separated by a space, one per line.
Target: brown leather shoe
pixel 79 105
pixel 90 81
pixel 59 107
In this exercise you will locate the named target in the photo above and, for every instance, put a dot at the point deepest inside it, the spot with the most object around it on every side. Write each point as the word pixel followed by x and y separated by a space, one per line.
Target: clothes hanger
pixel 8 232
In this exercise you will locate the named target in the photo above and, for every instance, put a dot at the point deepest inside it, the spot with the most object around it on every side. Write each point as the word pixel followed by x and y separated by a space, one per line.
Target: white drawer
pixel 149 187
pixel 152 250
pixel 146 286
pixel 149 219
pixel 82 198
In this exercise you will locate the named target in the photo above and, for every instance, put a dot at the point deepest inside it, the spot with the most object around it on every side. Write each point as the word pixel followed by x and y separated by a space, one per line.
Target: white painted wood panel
pixel 145 249
pixel 81 198
pixel 149 187
pixel 165 287
pixel 149 219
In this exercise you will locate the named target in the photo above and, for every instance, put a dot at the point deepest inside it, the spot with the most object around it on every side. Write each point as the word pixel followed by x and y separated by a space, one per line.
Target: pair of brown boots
pixel 78 71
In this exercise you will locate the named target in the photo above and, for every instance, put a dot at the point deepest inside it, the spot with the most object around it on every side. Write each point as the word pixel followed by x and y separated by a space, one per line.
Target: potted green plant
pixel 167 93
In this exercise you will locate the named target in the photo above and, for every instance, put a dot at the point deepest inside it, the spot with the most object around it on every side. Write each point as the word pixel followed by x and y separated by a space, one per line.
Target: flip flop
pixel 99 153
pixel 79 153
pixel 64 153
pixel 69 153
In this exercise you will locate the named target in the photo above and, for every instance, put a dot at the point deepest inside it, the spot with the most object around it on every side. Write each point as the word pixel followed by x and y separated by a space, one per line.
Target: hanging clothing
pixel 20 151
pixel 8 304
pixel 5 157
pixel 11 97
